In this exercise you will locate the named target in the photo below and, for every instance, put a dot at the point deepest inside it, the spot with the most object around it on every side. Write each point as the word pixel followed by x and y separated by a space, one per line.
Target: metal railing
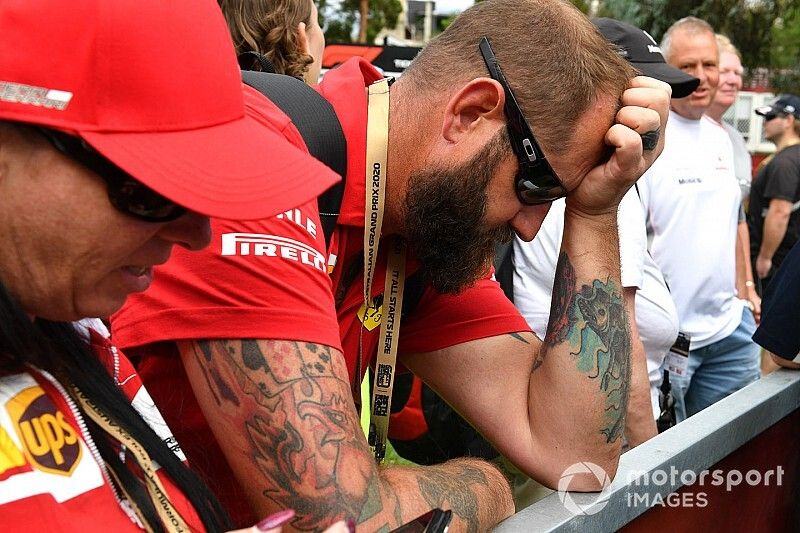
pixel 694 445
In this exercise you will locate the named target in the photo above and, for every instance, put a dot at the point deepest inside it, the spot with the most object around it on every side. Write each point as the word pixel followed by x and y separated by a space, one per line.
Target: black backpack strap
pixel 504 267
pixel 316 120
pixel 247 60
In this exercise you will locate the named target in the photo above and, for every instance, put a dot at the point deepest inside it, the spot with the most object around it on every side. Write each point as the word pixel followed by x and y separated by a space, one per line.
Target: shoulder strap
pixel 504 267
pixel 251 58
pixel 317 123
pixel 316 120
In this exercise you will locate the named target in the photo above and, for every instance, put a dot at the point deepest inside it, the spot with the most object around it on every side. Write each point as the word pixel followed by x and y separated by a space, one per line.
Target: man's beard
pixel 445 211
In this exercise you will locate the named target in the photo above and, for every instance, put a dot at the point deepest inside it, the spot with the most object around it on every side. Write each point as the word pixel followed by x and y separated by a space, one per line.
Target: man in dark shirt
pixel 773 219
pixel 779 331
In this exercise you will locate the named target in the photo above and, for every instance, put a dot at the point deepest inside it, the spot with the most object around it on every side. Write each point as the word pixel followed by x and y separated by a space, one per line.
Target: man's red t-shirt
pixel 268 279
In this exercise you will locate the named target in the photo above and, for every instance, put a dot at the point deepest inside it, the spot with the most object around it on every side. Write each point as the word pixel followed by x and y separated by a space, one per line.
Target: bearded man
pixel 254 350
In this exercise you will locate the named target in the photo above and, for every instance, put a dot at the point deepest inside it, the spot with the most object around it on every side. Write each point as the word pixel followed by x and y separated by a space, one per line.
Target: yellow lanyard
pixel 377 151
pixel 170 517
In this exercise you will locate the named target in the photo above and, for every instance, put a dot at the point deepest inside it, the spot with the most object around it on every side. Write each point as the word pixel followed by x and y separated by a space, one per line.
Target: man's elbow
pixel 785 363
pixel 780 216
pixel 586 474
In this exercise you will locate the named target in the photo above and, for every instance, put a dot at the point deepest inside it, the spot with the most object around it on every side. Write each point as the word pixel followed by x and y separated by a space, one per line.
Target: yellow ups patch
pixel 48 440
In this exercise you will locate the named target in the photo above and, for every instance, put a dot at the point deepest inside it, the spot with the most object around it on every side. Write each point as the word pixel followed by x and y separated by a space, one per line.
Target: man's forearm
pixel 743 263
pixel 785 363
pixel 775 224
pixel 585 358
pixel 284 415
pixel 475 491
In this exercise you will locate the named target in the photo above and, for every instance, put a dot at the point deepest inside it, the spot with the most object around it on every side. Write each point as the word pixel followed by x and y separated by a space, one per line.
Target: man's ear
pixel 477 105
pixel 302 38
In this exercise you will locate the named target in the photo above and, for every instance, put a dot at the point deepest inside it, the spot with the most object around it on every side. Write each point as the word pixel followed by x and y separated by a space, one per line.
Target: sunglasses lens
pixel 125 193
pixel 549 187
pixel 138 200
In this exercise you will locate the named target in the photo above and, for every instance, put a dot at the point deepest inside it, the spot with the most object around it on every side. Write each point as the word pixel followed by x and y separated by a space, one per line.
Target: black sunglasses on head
pixel 772 116
pixel 126 193
pixel 536 182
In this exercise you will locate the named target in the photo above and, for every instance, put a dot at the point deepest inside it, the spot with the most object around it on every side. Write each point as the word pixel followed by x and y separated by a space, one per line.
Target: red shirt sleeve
pixel 443 320
pixel 262 279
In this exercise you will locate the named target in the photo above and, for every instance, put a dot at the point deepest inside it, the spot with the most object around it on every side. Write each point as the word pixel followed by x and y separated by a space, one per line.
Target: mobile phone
pixel 434 521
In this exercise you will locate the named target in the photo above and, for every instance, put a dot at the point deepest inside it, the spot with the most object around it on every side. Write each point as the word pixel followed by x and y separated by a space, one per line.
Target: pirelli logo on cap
pixel 48 441
pixel 19 93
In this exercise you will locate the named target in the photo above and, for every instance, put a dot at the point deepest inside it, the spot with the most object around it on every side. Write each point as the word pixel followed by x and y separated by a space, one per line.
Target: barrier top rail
pixel 691 446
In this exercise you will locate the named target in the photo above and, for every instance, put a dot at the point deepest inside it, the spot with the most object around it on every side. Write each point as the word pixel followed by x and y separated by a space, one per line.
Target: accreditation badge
pixel 371 318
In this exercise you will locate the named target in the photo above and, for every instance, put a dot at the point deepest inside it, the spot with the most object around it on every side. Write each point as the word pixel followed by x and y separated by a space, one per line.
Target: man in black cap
pixel 775 198
pixel 642 51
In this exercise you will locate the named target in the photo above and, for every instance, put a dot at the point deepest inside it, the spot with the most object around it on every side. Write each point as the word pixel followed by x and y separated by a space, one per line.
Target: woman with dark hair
pixel 111 152
pixel 287 32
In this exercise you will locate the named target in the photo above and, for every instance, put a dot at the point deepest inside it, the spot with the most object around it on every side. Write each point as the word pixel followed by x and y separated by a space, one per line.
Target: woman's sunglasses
pixel 536 182
pixel 125 193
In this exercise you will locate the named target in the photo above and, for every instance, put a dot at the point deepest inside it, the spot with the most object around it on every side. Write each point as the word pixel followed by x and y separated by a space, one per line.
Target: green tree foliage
pixel 785 51
pixel 767 32
pixel 340 19
pixel 582 5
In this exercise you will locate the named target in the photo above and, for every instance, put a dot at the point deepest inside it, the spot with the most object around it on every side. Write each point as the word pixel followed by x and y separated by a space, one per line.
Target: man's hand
pixel 754 301
pixel 644 110
pixel 763 266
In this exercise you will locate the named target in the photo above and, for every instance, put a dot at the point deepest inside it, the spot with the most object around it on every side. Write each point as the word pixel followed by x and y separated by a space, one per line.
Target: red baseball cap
pixel 154 86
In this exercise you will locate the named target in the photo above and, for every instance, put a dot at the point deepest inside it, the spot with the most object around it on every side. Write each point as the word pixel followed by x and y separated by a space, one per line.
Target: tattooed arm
pixel 548 405
pixel 284 415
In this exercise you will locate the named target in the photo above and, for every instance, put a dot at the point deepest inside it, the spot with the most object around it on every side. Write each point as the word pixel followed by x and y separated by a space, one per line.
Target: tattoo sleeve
pixel 592 320
pixel 290 408
pixel 298 418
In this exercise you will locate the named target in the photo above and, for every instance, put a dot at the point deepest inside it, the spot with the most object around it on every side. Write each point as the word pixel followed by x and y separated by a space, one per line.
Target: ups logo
pixel 48 440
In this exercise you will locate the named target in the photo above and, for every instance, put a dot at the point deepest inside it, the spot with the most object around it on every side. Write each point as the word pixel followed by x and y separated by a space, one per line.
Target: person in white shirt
pixel 692 202
pixel 730 82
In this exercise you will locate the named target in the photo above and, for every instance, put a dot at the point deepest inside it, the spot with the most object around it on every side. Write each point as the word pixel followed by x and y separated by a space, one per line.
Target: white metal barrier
pixel 694 445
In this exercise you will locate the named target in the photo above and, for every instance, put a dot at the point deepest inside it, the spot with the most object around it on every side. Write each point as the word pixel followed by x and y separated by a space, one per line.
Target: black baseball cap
pixel 642 51
pixel 785 104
